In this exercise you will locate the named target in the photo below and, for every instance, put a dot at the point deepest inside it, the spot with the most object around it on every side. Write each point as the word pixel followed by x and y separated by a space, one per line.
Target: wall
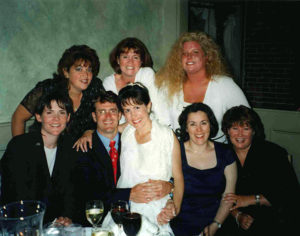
pixel 271 66
pixel 35 33
pixel 283 128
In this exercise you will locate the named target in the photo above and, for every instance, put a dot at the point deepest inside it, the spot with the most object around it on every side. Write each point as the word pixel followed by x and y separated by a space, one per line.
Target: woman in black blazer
pixel 267 190
pixel 36 165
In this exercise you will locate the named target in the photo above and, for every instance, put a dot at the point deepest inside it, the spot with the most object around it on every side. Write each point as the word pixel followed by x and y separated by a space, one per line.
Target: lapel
pixel 59 159
pixel 102 157
pixel 42 174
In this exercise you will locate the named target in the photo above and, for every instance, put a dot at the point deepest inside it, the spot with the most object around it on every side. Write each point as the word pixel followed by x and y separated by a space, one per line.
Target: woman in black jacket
pixel 37 165
pixel 267 190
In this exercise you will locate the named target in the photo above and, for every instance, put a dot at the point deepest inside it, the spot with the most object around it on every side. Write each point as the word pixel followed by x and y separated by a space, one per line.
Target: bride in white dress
pixel 149 151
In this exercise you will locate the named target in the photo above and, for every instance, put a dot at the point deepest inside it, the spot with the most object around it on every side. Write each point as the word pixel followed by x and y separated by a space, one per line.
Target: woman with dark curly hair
pixel 76 76
pixel 209 171
pixel 267 191
pixel 195 72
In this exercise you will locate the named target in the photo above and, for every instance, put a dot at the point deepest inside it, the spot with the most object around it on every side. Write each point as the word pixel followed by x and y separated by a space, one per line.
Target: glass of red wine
pixel 118 209
pixel 132 222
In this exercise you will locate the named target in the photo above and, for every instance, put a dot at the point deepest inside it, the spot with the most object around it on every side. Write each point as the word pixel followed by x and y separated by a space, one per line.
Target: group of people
pixel 182 145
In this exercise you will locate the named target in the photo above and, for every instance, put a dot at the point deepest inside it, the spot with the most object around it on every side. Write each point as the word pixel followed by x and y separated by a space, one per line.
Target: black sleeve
pixel 282 187
pixel 32 97
pixel 15 184
pixel 43 87
pixel 89 184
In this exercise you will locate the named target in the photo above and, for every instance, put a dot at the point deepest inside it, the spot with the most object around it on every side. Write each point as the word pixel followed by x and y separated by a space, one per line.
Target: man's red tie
pixel 114 158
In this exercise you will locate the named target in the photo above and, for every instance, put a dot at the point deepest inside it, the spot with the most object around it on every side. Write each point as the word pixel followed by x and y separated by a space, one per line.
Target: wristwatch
pixel 257 199
pixel 172 190
pixel 218 223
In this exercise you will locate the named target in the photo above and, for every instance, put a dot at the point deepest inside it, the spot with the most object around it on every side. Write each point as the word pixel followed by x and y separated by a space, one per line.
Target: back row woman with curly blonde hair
pixel 195 71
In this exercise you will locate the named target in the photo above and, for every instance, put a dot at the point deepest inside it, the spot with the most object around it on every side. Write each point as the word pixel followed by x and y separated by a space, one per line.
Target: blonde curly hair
pixel 172 74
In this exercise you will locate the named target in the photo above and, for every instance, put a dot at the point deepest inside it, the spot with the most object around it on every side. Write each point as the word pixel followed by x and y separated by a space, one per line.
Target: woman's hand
pixel 245 221
pixel 167 213
pixel 237 200
pixel 210 230
pixel 84 140
pixel 65 221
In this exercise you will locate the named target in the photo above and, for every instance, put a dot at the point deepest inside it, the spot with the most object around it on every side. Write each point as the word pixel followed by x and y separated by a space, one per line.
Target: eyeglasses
pixel 104 112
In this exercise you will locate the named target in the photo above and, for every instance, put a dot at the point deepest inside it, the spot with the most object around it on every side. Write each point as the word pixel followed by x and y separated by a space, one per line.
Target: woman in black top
pixel 76 75
pixel 37 165
pixel 267 191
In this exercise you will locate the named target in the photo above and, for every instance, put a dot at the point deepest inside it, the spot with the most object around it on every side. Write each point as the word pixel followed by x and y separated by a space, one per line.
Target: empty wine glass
pixel 94 212
pixel 118 209
pixel 132 222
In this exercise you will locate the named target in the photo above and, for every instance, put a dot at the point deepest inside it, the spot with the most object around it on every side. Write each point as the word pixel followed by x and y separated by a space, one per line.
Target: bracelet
pixel 172 190
pixel 257 200
pixel 218 223
pixel 237 218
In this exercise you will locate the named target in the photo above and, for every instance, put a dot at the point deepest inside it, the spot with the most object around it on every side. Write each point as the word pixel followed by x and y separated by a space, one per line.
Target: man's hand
pixel 161 188
pixel 142 193
pixel 150 190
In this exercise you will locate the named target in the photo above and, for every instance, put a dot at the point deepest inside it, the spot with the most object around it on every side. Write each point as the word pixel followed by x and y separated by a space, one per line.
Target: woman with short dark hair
pixel 267 191
pixel 209 171
pixel 76 77
pixel 37 165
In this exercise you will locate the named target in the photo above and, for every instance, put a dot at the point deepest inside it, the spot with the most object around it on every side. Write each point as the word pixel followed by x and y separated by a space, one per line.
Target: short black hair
pixel 195 107
pixel 242 115
pixel 62 100
pixel 107 96
pixel 133 92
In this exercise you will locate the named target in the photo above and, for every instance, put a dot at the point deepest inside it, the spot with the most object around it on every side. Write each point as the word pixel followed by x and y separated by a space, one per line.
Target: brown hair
pixel 125 45
pixel 77 53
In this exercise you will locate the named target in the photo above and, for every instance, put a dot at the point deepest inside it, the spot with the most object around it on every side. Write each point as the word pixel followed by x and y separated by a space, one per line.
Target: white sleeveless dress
pixel 141 162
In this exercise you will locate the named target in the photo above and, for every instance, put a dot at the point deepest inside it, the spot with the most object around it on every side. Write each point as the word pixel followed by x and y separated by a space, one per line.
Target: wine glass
pixel 94 212
pixel 132 223
pixel 118 209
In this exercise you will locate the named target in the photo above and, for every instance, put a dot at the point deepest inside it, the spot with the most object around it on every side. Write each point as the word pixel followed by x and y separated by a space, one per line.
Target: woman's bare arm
pixel 177 175
pixel 224 208
pixel 20 116
pixel 172 207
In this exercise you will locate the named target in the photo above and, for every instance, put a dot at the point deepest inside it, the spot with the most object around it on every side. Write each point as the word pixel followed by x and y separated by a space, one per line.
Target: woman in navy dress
pixel 209 171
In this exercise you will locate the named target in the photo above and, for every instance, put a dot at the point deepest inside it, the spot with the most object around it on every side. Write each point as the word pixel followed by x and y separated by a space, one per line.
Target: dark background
pixel 259 40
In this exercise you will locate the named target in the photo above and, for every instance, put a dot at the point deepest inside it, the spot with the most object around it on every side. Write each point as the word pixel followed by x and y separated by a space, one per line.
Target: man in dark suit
pixel 94 174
